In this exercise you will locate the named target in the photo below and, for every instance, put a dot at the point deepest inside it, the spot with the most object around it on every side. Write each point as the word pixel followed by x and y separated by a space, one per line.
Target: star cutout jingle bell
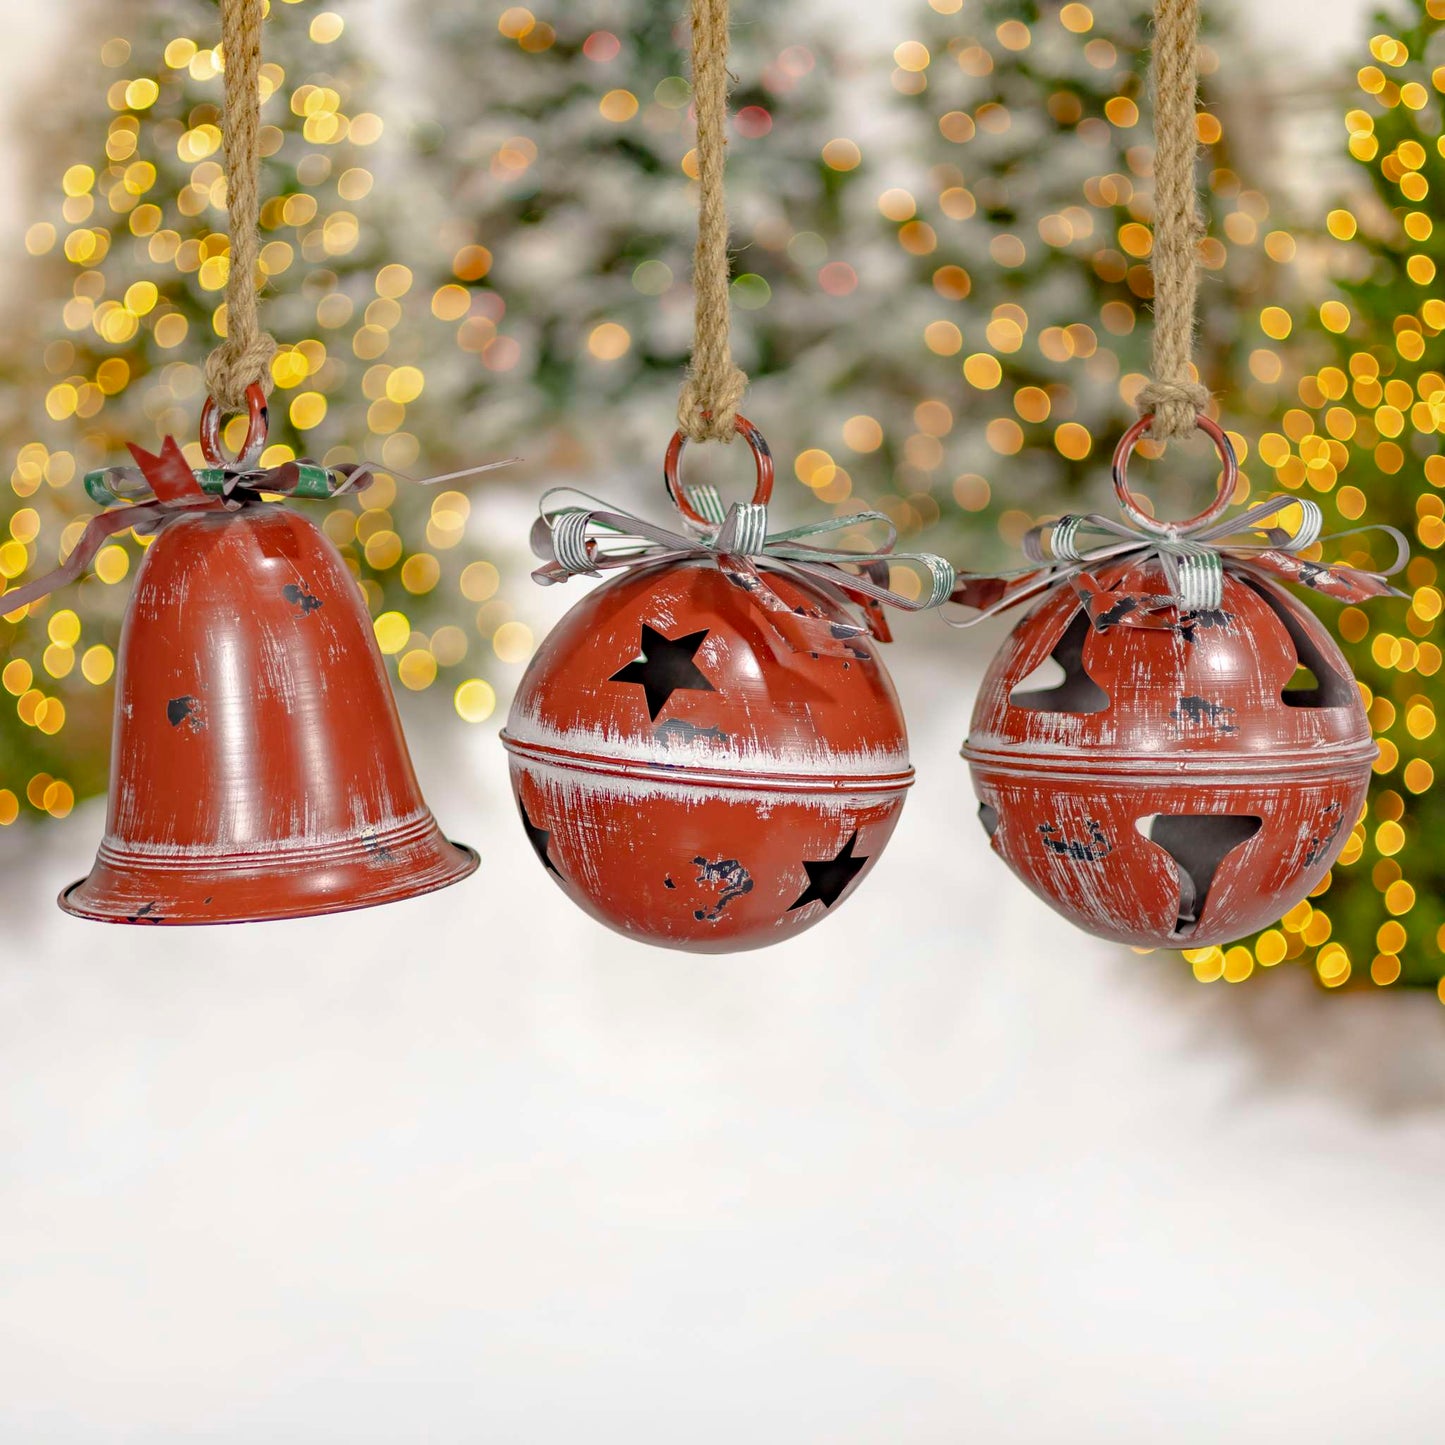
pixel 539 839
pixel 665 667
pixel 828 878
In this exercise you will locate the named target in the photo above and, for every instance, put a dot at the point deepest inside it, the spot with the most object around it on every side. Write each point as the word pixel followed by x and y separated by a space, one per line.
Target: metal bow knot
pixel 163 486
pixel 235 482
pixel 592 540
pixel 1193 560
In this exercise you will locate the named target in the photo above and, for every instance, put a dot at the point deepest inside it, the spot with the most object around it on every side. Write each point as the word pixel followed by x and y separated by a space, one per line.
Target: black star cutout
pixel 829 877
pixel 538 838
pixel 665 666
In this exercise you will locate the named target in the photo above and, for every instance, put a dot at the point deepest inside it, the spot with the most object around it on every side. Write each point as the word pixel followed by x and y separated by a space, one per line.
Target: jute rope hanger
pixel 708 405
pixel 1172 395
pixel 714 386
pixel 244 356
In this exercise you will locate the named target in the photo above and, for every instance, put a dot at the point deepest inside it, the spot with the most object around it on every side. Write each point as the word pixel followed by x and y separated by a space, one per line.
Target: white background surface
pixel 470 1169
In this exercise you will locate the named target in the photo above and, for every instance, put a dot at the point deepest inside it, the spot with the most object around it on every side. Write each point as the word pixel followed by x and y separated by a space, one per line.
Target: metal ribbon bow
pixel 303 478
pixel 163 486
pixel 1193 560
pixel 589 541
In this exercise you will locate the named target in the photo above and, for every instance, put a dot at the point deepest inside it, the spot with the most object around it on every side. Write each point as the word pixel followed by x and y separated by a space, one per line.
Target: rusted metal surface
pixel 1181 785
pixel 258 769
pixel 689 778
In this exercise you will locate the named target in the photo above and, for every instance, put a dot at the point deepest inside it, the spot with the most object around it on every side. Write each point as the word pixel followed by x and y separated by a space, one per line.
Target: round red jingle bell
pixel 686 776
pixel 1183 784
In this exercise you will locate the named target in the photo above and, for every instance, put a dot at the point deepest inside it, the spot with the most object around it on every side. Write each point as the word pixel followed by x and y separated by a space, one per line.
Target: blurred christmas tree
pixel 1026 226
pixel 135 251
pixel 1362 438
pixel 566 180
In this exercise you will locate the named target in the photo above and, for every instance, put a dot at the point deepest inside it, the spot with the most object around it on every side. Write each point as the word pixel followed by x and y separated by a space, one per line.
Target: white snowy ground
pixel 471 1168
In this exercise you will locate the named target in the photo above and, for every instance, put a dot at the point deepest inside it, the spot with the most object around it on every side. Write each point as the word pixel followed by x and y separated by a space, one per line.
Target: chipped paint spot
pixel 301 598
pixel 1207 618
pixel 1194 710
pixel 185 710
pixel 147 913
pixel 679 730
pixel 1330 827
pixel 1117 613
pixel 728 874
pixel 1092 851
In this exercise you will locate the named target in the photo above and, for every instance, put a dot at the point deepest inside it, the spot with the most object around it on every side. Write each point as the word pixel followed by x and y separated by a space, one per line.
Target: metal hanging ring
pixel 257 425
pixel 1228 478
pixel 762 458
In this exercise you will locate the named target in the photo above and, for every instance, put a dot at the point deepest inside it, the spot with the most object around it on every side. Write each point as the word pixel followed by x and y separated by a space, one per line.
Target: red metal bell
pixel 1176 786
pixel 258 769
pixel 687 777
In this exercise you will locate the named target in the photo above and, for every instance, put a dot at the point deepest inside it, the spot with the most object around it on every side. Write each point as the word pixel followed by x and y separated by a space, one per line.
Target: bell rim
pixel 573 760
pixel 468 860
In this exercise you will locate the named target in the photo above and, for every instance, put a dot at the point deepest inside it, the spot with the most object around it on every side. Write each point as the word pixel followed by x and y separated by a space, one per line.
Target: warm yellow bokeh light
pixel 475 700
pixel 393 631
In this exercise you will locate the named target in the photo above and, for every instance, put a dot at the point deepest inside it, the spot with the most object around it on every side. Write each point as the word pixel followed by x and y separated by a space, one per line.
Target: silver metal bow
pixel 591 540
pixel 1193 560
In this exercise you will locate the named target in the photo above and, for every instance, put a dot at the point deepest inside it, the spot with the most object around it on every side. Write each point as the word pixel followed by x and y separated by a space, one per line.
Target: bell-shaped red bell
pixel 259 769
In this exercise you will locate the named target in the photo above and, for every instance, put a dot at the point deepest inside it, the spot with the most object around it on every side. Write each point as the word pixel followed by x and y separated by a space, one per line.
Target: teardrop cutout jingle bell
pixel 707 751
pixel 258 766
pixel 1200 763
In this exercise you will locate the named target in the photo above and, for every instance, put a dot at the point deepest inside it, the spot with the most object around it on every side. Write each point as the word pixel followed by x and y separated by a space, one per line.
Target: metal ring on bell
pixel 762 458
pixel 258 421
pixel 1228 478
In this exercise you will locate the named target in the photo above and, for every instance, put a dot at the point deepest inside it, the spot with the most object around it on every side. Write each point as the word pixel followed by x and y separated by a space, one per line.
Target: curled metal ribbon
pixel 112 485
pixel 1193 560
pixel 162 486
pixel 591 540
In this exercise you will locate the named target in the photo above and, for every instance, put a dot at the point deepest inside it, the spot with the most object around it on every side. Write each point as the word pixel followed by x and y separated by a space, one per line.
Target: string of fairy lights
pixel 163 233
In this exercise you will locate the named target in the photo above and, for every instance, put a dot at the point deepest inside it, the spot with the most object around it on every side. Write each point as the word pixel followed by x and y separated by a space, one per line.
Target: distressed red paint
pixel 693 828
pixel 258 768
pixel 1198 721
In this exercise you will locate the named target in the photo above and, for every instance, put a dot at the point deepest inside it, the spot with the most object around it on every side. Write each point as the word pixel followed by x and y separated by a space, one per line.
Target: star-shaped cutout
pixel 538 838
pixel 665 666
pixel 828 878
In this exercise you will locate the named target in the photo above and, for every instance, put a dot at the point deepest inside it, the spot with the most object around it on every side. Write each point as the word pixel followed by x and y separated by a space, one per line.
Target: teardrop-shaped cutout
pixel 988 816
pixel 1198 843
pixel 1315 683
pixel 1060 684
pixel 1303 681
